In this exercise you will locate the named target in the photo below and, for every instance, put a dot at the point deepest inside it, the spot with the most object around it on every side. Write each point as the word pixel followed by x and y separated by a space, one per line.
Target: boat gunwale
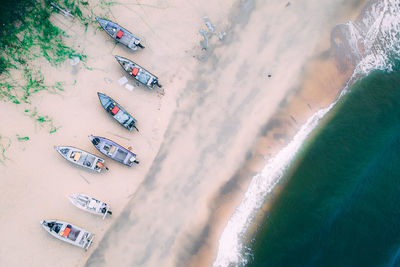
pixel 117 145
pixel 75 163
pixel 100 95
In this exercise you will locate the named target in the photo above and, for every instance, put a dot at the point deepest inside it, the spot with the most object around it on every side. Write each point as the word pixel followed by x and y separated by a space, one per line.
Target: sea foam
pixel 373 41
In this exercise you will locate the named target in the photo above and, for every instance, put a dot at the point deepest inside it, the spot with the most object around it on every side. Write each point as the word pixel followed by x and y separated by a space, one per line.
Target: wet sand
pixel 197 143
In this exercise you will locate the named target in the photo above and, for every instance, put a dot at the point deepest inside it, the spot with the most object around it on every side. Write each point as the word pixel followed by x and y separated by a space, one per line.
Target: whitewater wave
pixel 372 43
pixel 378 29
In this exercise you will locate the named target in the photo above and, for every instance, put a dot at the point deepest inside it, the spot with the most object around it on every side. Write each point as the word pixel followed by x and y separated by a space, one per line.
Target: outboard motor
pixel 159 85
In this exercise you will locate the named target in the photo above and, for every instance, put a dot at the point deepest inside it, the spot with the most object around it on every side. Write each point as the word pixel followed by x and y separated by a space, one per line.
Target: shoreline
pixel 267 145
pixel 339 68
pixel 204 230
pixel 273 137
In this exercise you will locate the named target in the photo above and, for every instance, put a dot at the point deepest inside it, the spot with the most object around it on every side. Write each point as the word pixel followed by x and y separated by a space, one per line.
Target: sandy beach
pixel 222 114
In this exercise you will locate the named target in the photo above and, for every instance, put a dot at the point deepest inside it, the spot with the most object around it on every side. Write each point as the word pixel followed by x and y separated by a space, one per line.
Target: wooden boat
pixel 68 233
pixel 120 34
pixel 81 158
pixel 138 73
pixel 90 204
pixel 117 112
pixel 113 150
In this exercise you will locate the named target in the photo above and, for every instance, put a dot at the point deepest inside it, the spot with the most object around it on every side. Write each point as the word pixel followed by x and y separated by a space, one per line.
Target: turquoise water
pixel 341 202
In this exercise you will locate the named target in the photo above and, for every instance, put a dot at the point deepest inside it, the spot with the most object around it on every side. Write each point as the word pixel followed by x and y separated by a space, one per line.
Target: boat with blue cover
pixel 114 150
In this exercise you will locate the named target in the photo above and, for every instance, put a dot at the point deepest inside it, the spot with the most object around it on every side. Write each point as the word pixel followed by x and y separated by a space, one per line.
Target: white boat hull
pixel 89 204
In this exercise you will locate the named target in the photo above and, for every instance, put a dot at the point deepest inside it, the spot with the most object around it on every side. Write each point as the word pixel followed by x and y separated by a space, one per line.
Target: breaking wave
pixel 370 43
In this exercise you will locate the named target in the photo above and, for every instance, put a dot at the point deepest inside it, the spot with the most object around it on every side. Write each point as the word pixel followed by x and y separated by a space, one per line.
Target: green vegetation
pixel 32 82
pixel 22 139
pixel 25 39
pixel 5 143
pixel 28 38
pixel 44 120
pixel 31 35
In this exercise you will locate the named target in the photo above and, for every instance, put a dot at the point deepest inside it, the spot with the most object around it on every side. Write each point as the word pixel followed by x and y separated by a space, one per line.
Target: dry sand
pixel 192 140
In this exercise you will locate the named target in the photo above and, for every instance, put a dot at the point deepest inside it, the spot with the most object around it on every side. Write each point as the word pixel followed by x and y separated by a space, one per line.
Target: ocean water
pixel 339 203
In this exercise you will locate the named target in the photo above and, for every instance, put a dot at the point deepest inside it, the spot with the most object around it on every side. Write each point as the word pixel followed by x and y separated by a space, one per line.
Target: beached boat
pixel 117 112
pixel 120 34
pixel 81 158
pixel 90 204
pixel 68 233
pixel 113 150
pixel 138 73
